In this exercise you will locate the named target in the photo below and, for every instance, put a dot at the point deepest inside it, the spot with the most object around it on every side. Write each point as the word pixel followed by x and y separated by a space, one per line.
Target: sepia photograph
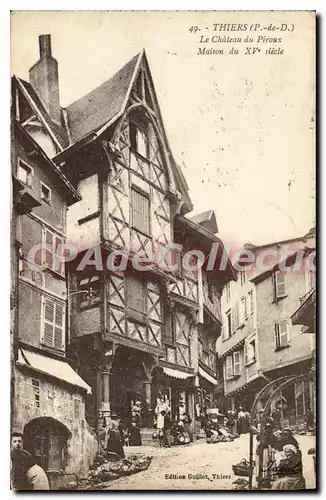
pixel 163 250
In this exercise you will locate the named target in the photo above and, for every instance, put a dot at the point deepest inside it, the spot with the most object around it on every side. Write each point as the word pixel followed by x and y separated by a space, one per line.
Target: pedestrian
pixel 310 424
pixel 187 426
pixel 134 430
pixel 286 437
pixel 16 441
pixel 290 471
pixel 115 442
pixel 267 440
pixel 26 474
pixel 167 429
pixel 242 423
pixel 276 416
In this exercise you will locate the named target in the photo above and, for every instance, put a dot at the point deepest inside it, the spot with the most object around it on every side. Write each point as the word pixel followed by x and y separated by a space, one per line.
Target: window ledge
pixel 281 297
pixel 233 377
pixel 83 220
pixel 280 348
pixel 55 274
pixel 50 348
pixel 251 362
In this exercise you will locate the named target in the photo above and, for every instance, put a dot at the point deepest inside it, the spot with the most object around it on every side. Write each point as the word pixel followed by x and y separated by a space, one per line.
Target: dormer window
pixel 24 173
pixel 139 139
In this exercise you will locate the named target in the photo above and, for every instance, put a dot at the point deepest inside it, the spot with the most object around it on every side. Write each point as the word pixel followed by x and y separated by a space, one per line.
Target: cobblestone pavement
pixel 199 466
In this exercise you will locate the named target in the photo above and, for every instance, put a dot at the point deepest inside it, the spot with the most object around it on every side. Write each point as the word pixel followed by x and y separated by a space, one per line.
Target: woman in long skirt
pixel 114 441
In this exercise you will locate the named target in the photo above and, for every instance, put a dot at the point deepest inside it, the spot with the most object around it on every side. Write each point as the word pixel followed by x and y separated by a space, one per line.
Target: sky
pixel 241 127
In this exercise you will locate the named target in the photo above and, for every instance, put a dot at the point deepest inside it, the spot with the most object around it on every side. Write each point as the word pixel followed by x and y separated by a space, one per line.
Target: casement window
pixel 92 287
pixel 236 363
pixel 281 333
pixel 139 139
pixel 250 352
pixel 53 324
pixel 169 330
pixel 207 351
pixel 140 211
pixel 50 259
pixel 136 299
pixel 235 317
pixel 24 173
pixel 233 365
pixel 36 390
pixel 242 311
pixel 278 285
pixel 228 330
pixel 229 367
pixel 45 193
pixel 211 353
pixel 227 327
pixel 228 291
pixel 250 302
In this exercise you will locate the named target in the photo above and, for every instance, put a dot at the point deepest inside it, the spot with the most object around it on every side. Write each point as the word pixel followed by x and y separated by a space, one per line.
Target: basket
pixel 242 468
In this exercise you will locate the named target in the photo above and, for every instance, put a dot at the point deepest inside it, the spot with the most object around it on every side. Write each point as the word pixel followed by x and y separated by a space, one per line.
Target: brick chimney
pixel 43 76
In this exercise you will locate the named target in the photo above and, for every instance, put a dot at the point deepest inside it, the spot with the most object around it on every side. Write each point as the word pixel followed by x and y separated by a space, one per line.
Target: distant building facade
pixel 259 342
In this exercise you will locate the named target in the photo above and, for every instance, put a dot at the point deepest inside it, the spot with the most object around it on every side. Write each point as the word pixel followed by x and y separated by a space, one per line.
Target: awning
pixel 176 373
pixel 50 366
pixel 208 377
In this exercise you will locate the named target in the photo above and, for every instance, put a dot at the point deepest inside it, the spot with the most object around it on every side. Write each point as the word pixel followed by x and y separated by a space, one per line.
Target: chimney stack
pixel 44 78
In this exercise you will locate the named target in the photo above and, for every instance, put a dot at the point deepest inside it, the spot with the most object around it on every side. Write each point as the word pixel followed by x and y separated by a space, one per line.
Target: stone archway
pixel 47 440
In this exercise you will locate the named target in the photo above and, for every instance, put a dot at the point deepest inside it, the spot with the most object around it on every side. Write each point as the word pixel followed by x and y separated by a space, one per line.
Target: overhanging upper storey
pixel 101 116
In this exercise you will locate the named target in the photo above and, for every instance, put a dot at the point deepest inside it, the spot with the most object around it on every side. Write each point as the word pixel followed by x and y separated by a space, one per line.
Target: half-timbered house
pixel 144 331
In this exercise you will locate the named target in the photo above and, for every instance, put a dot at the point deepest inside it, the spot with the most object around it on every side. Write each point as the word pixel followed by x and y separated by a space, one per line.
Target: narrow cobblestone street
pixel 177 468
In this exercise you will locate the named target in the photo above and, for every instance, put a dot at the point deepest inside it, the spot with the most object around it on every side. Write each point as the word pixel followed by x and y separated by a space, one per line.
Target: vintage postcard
pixel 163 254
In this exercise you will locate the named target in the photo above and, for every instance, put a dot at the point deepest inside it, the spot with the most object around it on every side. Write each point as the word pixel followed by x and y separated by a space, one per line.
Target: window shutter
pixel 283 333
pixel 246 354
pixel 56 266
pixel 52 323
pixel 277 335
pixel 229 367
pixel 47 315
pixel 233 325
pixel 246 306
pixel 136 294
pixel 279 284
pixel 251 300
pixel 237 319
pixel 140 211
pixel 48 252
pixel 242 311
pixel 236 363
pixel 59 327
pixel 223 334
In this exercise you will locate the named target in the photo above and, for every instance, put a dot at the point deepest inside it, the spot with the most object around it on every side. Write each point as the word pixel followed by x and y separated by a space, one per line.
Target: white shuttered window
pixel 53 324
pixel 279 284
pixel 281 330
pixel 51 242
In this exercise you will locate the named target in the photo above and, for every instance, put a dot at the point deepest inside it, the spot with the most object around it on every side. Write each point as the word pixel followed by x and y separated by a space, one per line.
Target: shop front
pixel 173 390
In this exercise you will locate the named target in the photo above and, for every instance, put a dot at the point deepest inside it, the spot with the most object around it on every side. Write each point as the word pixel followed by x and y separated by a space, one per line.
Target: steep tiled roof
pixel 99 106
pixel 59 132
